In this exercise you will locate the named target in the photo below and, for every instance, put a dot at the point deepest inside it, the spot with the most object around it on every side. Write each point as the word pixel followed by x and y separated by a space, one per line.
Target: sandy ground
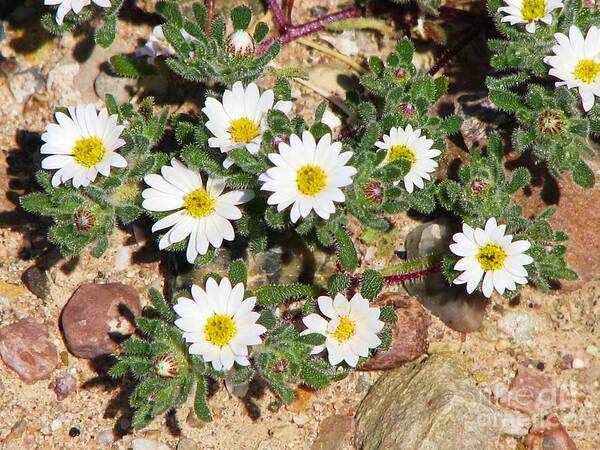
pixel 40 421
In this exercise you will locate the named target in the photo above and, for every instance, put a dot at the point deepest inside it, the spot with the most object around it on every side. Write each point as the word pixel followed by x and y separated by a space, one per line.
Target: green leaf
pixel 275 294
pixel 267 319
pixel 583 175
pixel 200 405
pixel 313 377
pixel 338 283
pixel 312 339
pixel 405 49
pixel 158 302
pixel 241 17
pixel 520 178
pixel 387 314
pixel 345 249
pixel 171 12
pixel 241 375
pixel 260 32
pixel 106 34
pixel 507 101
pixel 238 272
pixel 371 284
pixel 37 202
pixel 376 65
pixel 129 66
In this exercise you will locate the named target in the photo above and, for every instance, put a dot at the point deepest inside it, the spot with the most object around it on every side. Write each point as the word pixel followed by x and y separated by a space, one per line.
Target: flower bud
pixel 240 43
pixel 83 219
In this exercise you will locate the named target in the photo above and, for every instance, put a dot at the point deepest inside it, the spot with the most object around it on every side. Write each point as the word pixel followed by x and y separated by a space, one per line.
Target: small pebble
pixel 592 350
pixel 502 345
pixel 55 424
pixel 579 363
pixel 106 437
pixel 301 419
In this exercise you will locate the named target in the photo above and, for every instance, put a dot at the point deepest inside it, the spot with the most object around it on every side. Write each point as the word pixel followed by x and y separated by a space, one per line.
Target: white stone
pixel 301 419
pixel 592 350
pixel 106 437
pixel 56 425
pixel 579 363
pixel 148 444
pixel 520 326
pixel 515 423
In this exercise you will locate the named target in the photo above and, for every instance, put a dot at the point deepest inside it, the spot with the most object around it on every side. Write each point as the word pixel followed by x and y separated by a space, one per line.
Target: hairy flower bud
pixel 83 219
pixel 374 192
pixel 166 366
pixel 408 109
pixel 478 186
pixel 550 122
pixel 240 43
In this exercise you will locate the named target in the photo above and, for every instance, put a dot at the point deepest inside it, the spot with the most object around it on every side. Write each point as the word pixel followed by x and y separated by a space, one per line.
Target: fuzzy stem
pixel 411 276
pixel 210 7
pixel 290 7
pixel 280 20
pixel 294 32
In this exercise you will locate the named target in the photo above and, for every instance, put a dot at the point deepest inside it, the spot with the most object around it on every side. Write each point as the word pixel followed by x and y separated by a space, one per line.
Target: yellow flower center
pixel 401 151
pixel 345 329
pixel 199 203
pixel 491 256
pixel 311 180
pixel 587 71
pixel 219 330
pixel 243 130
pixel 533 10
pixel 89 151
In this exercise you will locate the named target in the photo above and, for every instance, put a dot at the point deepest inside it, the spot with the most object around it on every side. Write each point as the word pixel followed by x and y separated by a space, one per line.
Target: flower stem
pixel 280 20
pixel 210 7
pixel 290 32
pixel 290 7
pixel 411 276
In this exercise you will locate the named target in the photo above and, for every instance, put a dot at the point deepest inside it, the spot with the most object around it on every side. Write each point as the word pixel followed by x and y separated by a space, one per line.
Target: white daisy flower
pixel 350 331
pixel 241 119
pixel 308 176
pixel 490 254
pixel 529 12
pixel 201 212
pixel 240 43
pixel 83 145
pixel 576 61
pixel 219 323
pixel 73 5
pixel 409 144
pixel 157 45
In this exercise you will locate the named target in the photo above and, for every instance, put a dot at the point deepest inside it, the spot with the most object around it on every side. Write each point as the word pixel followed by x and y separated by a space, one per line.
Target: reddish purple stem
pixel 411 276
pixel 280 20
pixel 290 32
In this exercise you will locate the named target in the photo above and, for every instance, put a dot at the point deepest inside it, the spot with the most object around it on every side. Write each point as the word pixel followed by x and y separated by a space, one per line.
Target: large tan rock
pixel 435 405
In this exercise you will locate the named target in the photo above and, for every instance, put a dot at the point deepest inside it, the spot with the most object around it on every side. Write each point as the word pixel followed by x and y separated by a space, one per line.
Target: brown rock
pixel 335 432
pixel 550 435
pixel 573 215
pixel 531 392
pixel 98 316
pixel 409 338
pixel 36 281
pixel 25 347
